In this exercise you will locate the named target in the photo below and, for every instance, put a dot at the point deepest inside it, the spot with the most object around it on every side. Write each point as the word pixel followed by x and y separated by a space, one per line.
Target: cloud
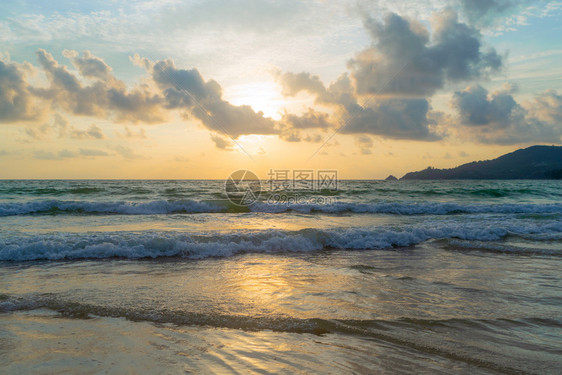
pixel 106 97
pixel 60 124
pixel 476 108
pixel 248 15
pixel 310 119
pixel 340 92
pixel 392 118
pixel 365 144
pixel 140 134
pixel 90 66
pixel 92 152
pixel 398 118
pixel 127 152
pixel 93 132
pixel 186 89
pixel 222 142
pixel 49 155
pixel 547 107
pixel 314 138
pixel 489 12
pixel 407 61
pixel 44 131
pixel 63 129
pixel 38 132
pixel 293 83
pixel 498 118
pixel 387 90
pixel 290 135
pixel 17 102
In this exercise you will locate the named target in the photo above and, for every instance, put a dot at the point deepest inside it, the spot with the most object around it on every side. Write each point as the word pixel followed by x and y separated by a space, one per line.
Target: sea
pixel 169 277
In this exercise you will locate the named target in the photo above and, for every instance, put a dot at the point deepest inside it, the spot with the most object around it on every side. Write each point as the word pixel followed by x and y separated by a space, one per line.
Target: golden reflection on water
pixel 291 287
pixel 262 283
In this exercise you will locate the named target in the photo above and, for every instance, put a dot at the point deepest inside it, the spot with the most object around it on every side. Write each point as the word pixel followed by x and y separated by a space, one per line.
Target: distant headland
pixel 535 162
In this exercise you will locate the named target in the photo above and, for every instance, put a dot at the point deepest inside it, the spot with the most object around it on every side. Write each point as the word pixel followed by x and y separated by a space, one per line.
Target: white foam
pixel 191 206
pixel 123 208
pixel 158 244
pixel 409 208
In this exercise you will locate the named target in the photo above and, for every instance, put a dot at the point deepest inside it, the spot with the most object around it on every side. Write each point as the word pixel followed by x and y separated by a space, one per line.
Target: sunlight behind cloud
pixel 261 96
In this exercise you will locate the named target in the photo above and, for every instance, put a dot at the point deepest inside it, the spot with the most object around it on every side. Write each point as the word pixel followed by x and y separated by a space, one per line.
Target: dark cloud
pixel 310 119
pixel 186 89
pixel 388 88
pixel 89 65
pixel 106 97
pixel 293 83
pixel 399 118
pixel 476 108
pixel 290 134
pixel 498 118
pixel 340 92
pixel 406 61
pixel 17 102
pixel 392 118
pixel 183 88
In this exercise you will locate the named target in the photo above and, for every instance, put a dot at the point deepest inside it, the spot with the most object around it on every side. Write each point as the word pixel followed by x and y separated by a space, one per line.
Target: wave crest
pixel 149 244
pixel 192 206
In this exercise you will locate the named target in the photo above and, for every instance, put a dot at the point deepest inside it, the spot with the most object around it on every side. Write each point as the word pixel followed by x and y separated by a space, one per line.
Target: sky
pixel 199 89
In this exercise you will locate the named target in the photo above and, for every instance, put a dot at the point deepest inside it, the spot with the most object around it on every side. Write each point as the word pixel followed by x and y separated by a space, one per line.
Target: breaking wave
pixel 192 206
pixel 150 244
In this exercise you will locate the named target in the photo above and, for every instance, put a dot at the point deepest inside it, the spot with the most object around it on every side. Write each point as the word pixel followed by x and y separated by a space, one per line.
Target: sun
pixel 264 96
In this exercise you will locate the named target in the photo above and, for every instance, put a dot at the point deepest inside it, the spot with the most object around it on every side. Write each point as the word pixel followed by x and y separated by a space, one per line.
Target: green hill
pixel 535 162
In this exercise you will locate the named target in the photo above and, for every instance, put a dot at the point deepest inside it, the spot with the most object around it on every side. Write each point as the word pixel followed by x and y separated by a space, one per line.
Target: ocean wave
pixel 410 208
pixel 82 310
pixel 442 337
pixel 150 244
pixel 494 247
pixel 191 206
pixel 121 207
